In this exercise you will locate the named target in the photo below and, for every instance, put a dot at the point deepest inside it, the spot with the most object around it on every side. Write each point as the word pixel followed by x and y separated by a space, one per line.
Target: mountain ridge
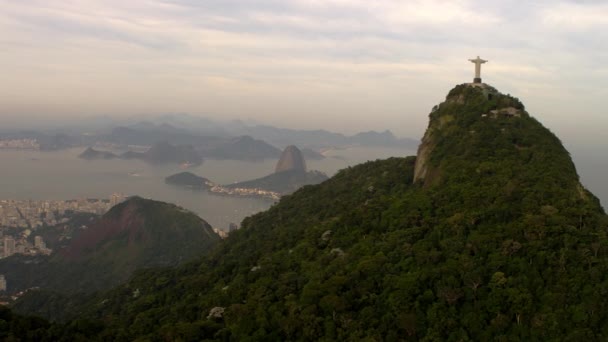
pixel 159 153
pixel 487 234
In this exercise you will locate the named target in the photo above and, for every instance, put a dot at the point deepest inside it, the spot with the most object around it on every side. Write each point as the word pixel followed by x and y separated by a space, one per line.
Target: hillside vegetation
pixel 487 235
pixel 135 234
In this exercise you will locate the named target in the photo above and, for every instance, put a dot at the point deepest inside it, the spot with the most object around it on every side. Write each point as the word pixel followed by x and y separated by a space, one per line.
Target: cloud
pixel 190 55
pixel 576 17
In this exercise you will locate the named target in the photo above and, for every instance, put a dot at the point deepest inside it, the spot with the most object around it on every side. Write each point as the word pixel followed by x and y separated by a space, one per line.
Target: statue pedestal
pixel 477 80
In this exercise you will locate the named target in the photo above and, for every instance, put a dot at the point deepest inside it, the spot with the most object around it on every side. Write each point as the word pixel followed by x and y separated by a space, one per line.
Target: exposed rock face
pixel 422 157
pixel 216 313
pixel 291 159
pixel 440 120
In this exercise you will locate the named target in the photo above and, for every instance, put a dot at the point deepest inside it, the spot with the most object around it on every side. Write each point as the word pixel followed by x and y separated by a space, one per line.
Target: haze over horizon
pixel 341 65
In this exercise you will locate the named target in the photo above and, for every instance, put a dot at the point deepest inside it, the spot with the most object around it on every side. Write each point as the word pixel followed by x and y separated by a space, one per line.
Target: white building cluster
pixel 19 144
pixel 33 214
pixel 20 219
pixel 245 192
pixel 21 245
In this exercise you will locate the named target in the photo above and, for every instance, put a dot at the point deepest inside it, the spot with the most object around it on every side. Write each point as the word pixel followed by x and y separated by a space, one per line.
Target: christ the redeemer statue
pixel 478 62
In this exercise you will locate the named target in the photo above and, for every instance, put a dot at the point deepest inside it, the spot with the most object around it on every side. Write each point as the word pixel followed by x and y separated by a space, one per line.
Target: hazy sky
pixel 344 65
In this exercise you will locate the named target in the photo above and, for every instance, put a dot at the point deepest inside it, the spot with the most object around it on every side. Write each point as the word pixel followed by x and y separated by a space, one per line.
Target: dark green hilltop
pixel 188 180
pixel 136 234
pixel 486 235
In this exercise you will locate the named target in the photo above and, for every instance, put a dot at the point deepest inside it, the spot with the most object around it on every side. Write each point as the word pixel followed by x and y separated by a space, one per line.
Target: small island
pixel 189 180
pixel 92 154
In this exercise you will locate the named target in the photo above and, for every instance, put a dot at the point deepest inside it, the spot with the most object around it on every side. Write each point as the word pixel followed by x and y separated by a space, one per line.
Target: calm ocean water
pixel 61 175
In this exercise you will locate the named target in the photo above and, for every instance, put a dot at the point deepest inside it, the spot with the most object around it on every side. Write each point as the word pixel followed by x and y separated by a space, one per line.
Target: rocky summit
pixel 291 159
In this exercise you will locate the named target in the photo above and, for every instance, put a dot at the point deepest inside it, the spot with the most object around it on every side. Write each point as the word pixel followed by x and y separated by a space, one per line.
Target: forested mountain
pixel 135 234
pixel 486 235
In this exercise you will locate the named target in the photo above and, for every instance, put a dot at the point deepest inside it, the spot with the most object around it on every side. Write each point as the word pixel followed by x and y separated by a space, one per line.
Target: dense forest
pixel 496 240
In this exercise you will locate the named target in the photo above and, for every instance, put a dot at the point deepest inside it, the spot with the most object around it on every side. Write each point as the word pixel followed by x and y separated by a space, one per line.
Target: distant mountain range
pixel 206 136
pixel 161 152
pixel 283 136
pixel 145 133
pixel 321 138
pixel 243 148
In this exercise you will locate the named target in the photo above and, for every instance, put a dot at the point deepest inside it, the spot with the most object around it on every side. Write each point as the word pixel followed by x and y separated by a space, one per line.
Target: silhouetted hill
pixel 373 138
pixel 135 234
pixel 91 154
pixel 163 152
pixel 147 133
pixel 322 138
pixel 291 159
pixel 243 148
pixel 189 180
pixel 138 222
pixel 180 128
pixel 159 153
pixel 486 235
